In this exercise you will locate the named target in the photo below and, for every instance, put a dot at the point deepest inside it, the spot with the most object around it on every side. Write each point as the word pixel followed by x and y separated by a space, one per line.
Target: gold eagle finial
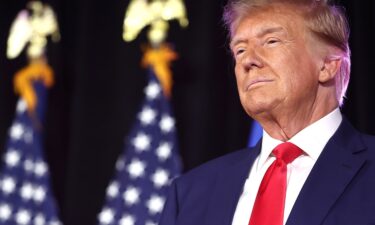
pixel 33 26
pixel 156 14
pixel 30 30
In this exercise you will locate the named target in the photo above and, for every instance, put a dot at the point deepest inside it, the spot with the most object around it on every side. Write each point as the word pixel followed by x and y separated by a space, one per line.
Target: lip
pixel 257 81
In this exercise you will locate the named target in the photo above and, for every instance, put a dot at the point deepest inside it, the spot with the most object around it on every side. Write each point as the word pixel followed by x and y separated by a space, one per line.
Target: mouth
pixel 256 82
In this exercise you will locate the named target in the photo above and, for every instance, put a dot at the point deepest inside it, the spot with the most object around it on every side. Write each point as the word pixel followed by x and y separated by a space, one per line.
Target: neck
pixel 283 126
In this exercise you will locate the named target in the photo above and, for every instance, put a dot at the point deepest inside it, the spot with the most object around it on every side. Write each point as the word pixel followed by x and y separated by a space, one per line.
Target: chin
pixel 256 108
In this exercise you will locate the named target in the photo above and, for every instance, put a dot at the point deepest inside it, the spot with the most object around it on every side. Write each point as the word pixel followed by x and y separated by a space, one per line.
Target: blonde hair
pixel 326 21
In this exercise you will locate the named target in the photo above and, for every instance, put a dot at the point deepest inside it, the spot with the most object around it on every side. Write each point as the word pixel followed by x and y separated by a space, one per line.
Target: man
pixel 292 64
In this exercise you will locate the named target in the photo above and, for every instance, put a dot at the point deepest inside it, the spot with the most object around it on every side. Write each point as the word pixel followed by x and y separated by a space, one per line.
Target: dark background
pixel 99 85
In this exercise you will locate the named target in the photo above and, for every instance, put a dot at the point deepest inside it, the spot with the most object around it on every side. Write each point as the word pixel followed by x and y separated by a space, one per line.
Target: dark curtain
pixel 99 85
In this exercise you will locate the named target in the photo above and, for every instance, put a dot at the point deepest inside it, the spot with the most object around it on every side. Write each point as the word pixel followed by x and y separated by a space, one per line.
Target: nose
pixel 252 60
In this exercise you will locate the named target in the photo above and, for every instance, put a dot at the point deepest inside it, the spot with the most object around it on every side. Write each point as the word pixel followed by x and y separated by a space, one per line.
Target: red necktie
pixel 269 204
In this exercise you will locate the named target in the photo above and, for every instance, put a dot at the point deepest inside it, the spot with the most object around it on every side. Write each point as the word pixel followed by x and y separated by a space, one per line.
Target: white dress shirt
pixel 311 140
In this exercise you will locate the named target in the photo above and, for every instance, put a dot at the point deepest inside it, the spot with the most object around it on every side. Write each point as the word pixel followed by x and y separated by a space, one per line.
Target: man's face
pixel 277 62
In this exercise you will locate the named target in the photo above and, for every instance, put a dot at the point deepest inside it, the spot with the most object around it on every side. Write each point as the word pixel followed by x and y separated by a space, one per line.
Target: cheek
pixel 292 69
pixel 239 77
pixel 299 81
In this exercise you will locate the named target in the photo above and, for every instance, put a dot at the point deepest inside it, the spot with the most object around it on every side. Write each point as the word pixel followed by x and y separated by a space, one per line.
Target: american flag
pixel 25 192
pixel 149 162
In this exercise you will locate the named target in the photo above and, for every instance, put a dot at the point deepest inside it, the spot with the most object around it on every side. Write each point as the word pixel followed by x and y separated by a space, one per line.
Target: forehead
pixel 273 19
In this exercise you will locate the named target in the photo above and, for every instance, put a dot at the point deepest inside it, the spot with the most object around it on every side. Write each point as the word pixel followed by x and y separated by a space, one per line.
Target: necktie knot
pixel 287 152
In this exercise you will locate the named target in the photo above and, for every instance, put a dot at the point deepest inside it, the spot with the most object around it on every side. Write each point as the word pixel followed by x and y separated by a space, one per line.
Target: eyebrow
pixel 262 33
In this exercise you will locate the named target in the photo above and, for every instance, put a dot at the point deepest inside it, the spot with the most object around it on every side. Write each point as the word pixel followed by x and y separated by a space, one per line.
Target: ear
pixel 329 68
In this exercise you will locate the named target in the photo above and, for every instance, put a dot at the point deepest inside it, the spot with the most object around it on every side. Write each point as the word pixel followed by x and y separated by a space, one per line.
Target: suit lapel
pixel 337 165
pixel 228 188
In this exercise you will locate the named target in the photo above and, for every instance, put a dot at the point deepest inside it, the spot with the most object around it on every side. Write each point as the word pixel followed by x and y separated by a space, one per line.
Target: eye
pixel 272 41
pixel 239 51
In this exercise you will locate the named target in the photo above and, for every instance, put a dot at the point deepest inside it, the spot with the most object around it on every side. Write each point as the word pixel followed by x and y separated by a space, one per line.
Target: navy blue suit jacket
pixel 340 189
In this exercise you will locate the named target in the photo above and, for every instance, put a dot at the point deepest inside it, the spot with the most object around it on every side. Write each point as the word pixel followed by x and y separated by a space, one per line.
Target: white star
pixel 12 158
pixel 127 220
pixel 131 195
pixel 40 168
pixel 5 212
pixel 160 178
pixel 27 191
pixel 152 90
pixel 39 219
pixel 28 165
pixel 136 168
pixel 150 223
pixel 166 124
pixel 8 185
pixel 147 116
pixel 142 142
pixel 39 194
pixel 164 151
pixel 21 106
pixel 23 217
pixel 16 131
pixel 155 204
pixel 106 216
pixel 113 189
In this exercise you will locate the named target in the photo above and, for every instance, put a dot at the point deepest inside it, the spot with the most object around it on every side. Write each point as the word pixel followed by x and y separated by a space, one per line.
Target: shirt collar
pixel 312 139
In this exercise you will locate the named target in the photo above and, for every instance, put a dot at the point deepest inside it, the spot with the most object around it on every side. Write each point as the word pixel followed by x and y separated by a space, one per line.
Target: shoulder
pixel 369 141
pixel 193 191
pixel 348 137
pixel 213 166
pixel 205 174
pixel 197 184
